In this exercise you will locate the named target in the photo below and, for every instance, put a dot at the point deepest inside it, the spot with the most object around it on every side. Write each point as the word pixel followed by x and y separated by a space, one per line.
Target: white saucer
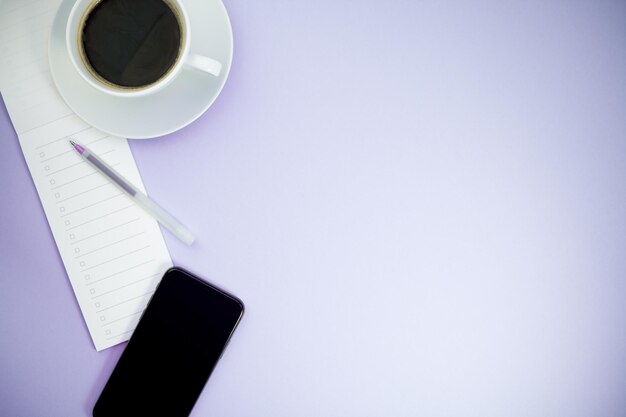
pixel 170 109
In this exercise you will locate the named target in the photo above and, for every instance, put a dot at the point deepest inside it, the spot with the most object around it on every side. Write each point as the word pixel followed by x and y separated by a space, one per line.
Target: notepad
pixel 113 252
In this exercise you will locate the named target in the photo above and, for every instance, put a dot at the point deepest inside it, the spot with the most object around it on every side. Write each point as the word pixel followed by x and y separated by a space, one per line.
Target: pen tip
pixel 77 147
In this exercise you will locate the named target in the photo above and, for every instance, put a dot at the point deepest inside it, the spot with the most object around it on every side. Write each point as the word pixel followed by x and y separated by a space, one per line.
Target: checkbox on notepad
pixel 97 304
pixel 92 291
pixel 102 318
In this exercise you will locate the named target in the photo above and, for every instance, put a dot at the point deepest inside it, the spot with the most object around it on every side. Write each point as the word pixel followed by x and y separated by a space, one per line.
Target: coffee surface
pixel 131 43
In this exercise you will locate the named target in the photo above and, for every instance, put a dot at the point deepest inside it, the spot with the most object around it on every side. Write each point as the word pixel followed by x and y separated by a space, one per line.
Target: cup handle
pixel 204 64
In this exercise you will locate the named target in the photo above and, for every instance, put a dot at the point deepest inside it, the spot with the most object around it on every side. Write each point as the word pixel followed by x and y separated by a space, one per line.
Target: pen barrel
pixel 167 220
pixel 110 173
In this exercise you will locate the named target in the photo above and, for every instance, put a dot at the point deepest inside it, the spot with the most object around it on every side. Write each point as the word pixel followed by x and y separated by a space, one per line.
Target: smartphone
pixel 173 350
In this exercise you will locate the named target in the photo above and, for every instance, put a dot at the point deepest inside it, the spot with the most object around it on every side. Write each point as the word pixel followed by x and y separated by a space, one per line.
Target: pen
pixel 142 200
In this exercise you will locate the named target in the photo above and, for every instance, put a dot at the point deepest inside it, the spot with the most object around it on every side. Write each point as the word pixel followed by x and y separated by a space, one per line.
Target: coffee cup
pixel 132 48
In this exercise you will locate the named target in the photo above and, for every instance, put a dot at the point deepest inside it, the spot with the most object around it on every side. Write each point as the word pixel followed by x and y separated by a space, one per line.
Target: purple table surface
pixel 423 205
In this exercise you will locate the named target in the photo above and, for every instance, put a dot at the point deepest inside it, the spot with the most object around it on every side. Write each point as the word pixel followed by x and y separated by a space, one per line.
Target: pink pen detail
pixel 78 148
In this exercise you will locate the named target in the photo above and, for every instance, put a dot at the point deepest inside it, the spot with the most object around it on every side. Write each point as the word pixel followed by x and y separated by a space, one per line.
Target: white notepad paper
pixel 113 252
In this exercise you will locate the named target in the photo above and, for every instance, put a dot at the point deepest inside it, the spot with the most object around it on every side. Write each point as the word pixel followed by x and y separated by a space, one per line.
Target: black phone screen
pixel 173 350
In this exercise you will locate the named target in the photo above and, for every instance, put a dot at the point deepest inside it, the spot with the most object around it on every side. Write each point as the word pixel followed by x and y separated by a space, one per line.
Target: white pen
pixel 142 200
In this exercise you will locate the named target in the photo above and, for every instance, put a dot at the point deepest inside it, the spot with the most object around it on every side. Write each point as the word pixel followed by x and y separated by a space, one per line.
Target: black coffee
pixel 131 43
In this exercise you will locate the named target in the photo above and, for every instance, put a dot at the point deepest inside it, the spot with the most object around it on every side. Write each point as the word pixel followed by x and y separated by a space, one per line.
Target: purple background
pixel 423 205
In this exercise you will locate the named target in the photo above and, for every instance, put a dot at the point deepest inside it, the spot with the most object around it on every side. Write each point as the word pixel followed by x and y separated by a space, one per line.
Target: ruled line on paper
pixel 77 163
pixel 39 103
pixel 119 334
pixel 64 168
pixel 91 205
pixel 124 286
pixel 22 5
pixel 84 192
pixel 100 217
pixel 17 84
pixel 125 301
pixel 105 230
pixel 79 178
pixel 20 65
pixel 65 137
pixel 124 317
pixel 21 22
pixel 22 35
pixel 44 124
pixel 109 245
pixel 72 150
pixel 116 258
pixel 20 89
pixel 11 54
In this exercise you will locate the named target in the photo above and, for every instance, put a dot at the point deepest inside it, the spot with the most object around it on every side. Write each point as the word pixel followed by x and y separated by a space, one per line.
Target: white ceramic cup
pixel 185 58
